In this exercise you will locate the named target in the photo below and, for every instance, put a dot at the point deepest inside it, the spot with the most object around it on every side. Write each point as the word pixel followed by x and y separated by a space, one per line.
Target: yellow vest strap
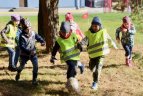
pixel 69 50
pixel 96 45
pixel 98 50
pixel 70 56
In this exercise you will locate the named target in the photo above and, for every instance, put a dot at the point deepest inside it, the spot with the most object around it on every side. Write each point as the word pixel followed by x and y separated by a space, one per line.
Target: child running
pixel 69 52
pixel 8 39
pixel 28 50
pixel 128 30
pixel 98 45
pixel 75 29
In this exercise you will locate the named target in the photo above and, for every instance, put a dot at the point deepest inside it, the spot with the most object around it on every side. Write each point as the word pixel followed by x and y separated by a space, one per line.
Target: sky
pixel 15 3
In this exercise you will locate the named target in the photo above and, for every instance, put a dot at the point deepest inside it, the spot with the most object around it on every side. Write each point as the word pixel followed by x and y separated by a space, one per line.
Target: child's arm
pixel 39 39
pixel 5 31
pixel 83 43
pixel 54 51
pixel 111 42
pixel 118 30
pixel 132 30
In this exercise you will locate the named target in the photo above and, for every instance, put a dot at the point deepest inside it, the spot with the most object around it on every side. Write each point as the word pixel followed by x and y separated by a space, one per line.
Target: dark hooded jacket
pixel 95 21
pixel 27 42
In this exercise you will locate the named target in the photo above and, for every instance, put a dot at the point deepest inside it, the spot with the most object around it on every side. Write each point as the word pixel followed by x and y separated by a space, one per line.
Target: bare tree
pixel 48 21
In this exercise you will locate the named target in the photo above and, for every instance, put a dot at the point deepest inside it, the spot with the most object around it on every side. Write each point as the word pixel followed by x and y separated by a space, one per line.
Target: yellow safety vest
pixel 68 48
pixel 98 43
pixel 11 36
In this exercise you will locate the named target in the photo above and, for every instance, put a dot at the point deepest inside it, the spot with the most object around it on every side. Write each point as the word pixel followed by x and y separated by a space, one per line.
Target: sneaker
pixel 130 63
pixel 12 69
pixel 127 61
pixel 17 77
pixel 94 86
pixel 81 68
pixel 35 82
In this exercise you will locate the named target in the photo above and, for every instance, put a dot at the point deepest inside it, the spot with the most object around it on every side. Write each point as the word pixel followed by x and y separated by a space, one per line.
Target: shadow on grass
pixel 25 88
pixel 55 92
pixel 41 67
pixel 113 66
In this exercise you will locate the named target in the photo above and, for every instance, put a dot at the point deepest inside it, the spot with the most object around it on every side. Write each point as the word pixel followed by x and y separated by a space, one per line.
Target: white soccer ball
pixel 72 85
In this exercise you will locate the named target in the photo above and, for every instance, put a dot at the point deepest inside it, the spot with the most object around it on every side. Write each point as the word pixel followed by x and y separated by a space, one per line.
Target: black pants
pixel 71 71
pixel 95 65
pixel 34 60
pixel 128 50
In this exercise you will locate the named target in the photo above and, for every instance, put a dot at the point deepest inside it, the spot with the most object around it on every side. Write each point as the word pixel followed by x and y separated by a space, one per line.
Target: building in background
pixel 94 3
pixel 35 3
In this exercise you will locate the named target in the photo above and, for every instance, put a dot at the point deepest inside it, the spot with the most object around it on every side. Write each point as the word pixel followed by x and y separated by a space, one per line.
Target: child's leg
pixel 130 57
pixel 130 47
pixel 95 65
pixel 127 54
pixel 72 83
pixel 80 66
pixel 17 53
pixel 34 61
pixel 11 53
pixel 23 61
pixel 71 72
pixel 97 72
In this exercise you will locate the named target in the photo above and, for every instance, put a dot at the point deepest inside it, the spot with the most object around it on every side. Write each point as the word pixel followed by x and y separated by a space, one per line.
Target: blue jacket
pixel 27 43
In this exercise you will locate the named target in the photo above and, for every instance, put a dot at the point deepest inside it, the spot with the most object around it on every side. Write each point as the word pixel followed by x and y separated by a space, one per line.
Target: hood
pixel 96 21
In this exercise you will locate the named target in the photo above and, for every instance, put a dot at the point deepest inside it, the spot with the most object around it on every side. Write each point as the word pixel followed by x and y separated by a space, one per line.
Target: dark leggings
pixel 95 65
pixel 71 71
pixel 128 50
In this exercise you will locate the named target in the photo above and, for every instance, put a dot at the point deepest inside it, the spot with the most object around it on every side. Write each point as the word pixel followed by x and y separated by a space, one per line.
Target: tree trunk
pixel 23 3
pixel 48 21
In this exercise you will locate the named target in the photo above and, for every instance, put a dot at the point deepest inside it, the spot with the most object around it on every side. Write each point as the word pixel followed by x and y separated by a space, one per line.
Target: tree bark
pixel 48 21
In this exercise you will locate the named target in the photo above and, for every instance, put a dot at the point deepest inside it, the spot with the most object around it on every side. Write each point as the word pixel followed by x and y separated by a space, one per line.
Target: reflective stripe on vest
pixel 11 36
pixel 68 48
pixel 98 43
pixel 69 57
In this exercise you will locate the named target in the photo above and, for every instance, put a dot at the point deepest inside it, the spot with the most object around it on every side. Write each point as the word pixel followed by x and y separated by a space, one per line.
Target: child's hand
pixel 118 40
pixel 124 30
pixel 52 60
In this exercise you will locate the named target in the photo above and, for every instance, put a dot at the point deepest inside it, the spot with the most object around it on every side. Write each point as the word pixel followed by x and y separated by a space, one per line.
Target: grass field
pixel 116 79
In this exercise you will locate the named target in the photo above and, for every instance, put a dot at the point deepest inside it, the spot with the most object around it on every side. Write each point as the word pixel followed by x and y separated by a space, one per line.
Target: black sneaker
pixel 35 82
pixel 17 77
pixel 12 69
pixel 81 68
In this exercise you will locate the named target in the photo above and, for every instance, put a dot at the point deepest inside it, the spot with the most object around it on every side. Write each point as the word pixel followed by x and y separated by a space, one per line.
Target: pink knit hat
pixel 69 16
pixel 15 17
pixel 126 19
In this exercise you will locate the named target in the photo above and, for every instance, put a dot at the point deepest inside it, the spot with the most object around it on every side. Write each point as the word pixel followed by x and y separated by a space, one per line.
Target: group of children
pixel 69 44
pixel 19 40
pixel 71 41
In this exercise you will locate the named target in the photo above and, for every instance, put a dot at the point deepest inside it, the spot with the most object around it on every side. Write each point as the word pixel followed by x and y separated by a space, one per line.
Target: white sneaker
pixel 94 86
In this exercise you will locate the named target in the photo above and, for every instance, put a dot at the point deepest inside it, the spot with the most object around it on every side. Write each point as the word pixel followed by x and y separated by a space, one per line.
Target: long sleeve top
pixel 127 37
pixel 27 43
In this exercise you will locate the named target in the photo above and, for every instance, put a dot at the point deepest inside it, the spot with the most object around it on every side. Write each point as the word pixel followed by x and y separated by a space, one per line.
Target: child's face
pixel 64 34
pixel 95 27
pixel 126 25
pixel 28 30
pixel 16 22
